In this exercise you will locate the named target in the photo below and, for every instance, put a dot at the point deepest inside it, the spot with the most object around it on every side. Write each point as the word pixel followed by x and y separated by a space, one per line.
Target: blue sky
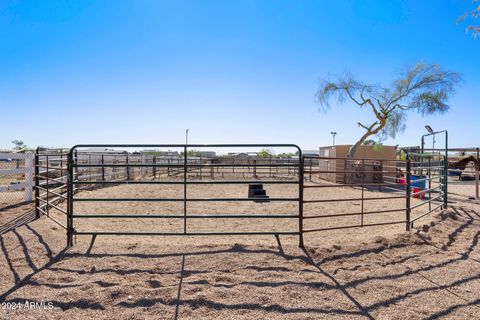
pixel 231 71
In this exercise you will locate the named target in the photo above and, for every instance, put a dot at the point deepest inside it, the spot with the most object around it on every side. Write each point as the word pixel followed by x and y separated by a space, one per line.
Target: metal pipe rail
pixel 184 166
pixel 434 180
pixel 94 170
pixel 189 234
pixel 426 202
pixel 350 159
pixel 353 214
pixel 353 199
pixel 107 165
pixel 188 182
pixel 384 184
pixel 354 226
pixel 216 216
pixel 178 199
pixel 427 213
pixel 389 181
pixel 346 171
pixel 425 191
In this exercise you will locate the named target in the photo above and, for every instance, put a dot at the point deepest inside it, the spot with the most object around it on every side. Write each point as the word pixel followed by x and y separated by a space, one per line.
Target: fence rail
pixel 370 192
pixel 185 171
pixel 16 178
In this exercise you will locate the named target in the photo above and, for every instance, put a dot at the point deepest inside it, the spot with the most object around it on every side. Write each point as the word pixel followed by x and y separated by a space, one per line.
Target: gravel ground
pixel 376 273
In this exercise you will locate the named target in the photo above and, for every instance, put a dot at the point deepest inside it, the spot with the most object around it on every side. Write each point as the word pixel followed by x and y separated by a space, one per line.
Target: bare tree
pixel 424 88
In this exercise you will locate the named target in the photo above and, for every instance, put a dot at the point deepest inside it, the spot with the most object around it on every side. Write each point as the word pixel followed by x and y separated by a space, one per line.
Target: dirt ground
pixel 374 273
pixel 278 191
pixel 462 188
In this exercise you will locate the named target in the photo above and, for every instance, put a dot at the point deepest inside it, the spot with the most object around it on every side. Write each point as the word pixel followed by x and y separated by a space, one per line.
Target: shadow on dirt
pixel 304 264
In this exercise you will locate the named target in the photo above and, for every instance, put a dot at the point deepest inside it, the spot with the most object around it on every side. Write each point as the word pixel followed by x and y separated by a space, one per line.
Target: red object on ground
pixel 419 195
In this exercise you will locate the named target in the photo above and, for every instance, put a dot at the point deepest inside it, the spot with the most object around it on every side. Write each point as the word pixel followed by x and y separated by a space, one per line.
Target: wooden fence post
pixel 408 208
pixel 29 170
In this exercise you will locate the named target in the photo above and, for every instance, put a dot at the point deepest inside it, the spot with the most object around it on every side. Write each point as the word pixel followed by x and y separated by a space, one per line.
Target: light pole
pixel 333 133
pixel 430 130
pixel 186 136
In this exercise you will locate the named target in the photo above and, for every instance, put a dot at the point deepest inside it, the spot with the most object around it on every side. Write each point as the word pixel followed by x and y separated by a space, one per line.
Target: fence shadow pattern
pixel 325 276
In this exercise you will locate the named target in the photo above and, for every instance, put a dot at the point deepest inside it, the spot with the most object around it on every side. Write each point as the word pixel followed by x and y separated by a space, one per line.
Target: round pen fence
pixel 348 193
pixel 363 192
pixel 170 190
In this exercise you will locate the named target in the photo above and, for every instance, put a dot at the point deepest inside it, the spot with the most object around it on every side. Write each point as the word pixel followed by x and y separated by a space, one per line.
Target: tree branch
pixel 377 114
pixel 353 99
pixel 363 126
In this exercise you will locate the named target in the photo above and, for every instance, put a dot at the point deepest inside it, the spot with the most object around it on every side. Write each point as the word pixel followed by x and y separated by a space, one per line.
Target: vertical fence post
pixel 446 168
pixel 408 209
pixel 185 189
pixel 212 172
pixel 311 168
pixel 429 183
pixel 127 172
pixel 28 181
pixel 300 199
pixel 37 185
pixel 168 167
pixel 363 189
pixel 75 173
pixel 154 168
pixel 47 183
pixel 477 169
pixel 381 174
pixel 270 167
pixel 103 168
pixel 445 183
pixel 70 199
pixel 90 169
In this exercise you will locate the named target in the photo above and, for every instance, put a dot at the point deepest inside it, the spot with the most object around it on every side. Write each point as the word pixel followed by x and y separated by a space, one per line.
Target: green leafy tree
pixel 286 155
pixel 470 16
pixel 191 153
pixel 18 145
pixel 424 88
pixel 401 155
pixel 369 142
pixel 377 146
pixel 265 153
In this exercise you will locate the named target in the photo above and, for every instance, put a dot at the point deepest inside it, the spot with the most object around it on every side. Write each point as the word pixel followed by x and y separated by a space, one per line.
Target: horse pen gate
pixel 373 192
pixel 184 168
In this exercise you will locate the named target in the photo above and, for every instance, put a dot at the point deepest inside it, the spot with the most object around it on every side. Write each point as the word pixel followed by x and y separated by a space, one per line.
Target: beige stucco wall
pixel 363 152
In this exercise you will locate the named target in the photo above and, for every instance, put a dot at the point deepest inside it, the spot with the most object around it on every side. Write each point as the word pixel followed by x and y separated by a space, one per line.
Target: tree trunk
pixel 353 149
